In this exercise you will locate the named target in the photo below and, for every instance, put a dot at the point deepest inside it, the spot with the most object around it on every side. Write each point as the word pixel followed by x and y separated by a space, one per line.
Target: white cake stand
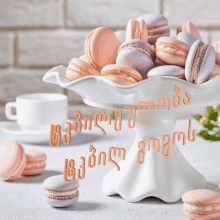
pixel 165 178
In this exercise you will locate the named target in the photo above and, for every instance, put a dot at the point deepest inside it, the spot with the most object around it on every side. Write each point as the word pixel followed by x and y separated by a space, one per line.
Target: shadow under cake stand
pixel 165 178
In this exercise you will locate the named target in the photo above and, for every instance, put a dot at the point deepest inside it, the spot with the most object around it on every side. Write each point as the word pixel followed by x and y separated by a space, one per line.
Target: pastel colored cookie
pixel 35 162
pixel 79 68
pixel 101 47
pixel 216 45
pixel 216 72
pixel 157 26
pixel 121 35
pixel 83 57
pixel 137 54
pixel 121 74
pixel 200 62
pixel 136 29
pixel 188 27
pixel 12 160
pixel 171 51
pixel 201 204
pixel 186 38
pixel 167 70
pixel 59 193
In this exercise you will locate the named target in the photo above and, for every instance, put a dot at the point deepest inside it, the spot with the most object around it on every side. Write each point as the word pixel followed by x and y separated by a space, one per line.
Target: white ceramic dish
pixel 165 178
pixel 15 132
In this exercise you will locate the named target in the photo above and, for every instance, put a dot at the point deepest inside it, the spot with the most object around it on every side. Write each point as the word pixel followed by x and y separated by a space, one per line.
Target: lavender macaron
pixel 200 62
pixel 187 38
pixel 167 70
pixel 59 193
pixel 157 26
pixel 137 54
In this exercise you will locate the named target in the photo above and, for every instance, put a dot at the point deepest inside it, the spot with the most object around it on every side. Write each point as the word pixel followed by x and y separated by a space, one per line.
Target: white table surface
pixel 23 198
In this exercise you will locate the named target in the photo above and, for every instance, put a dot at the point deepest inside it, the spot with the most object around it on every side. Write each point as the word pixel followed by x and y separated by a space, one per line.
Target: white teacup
pixel 37 111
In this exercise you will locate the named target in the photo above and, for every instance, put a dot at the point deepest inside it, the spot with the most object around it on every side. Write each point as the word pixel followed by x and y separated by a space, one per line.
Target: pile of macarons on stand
pixel 145 49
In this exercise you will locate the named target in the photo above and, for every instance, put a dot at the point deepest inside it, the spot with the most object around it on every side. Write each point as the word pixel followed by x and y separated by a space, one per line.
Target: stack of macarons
pixel 145 46
pixel 15 161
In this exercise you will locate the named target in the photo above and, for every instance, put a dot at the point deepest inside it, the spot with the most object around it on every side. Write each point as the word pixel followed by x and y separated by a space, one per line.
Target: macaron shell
pixel 187 38
pixel 201 197
pixel 101 47
pixel 171 58
pixel 135 58
pixel 207 65
pixel 57 183
pixel 77 68
pixel 167 70
pixel 142 30
pixel 121 35
pixel 12 160
pixel 154 20
pixel 191 28
pixel 34 157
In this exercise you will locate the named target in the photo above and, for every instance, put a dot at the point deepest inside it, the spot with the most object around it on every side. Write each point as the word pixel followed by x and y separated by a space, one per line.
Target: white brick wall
pixel 38 34
pixel 31 13
pixel 49 48
pixel 113 13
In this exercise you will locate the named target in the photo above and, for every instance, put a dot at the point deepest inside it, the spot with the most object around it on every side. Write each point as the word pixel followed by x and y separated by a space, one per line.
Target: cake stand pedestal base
pixel 164 177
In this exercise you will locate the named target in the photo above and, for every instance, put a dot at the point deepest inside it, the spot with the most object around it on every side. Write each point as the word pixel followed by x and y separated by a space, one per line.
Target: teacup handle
pixel 8 112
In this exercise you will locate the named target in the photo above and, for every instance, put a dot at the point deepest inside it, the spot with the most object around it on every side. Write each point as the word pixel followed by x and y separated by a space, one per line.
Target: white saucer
pixel 39 137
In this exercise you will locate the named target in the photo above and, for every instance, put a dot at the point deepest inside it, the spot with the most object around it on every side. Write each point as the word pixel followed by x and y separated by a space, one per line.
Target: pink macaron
pixel 101 47
pixel 201 204
pixel 121 74
pixel 189 27
pixel 35 162
pixel 12 160
pixel 171 51
pixel 200 62
pixel 79 68
pixel 137 54
pixel 136 30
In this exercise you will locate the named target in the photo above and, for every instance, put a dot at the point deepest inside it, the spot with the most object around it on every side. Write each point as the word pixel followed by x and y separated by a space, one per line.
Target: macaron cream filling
pixel 122 74
pixel 201 208
pixel 158 30
pixel 36 164
pixel 197 62
pixel 136 28
pixel 61 194
pixel 169 48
